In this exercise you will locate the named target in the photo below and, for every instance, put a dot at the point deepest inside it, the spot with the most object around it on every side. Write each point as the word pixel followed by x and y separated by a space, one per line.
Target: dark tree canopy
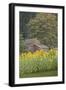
pixel 24 19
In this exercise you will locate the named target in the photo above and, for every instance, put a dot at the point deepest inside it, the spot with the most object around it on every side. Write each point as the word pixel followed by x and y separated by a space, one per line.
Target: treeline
pixel 42 26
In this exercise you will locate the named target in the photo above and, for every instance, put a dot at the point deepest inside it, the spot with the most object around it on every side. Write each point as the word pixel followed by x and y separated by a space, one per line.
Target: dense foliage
pixel 44 27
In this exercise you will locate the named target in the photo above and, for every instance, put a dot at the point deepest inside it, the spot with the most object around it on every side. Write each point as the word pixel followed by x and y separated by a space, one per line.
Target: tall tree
pixel 24 19
pixel 44 27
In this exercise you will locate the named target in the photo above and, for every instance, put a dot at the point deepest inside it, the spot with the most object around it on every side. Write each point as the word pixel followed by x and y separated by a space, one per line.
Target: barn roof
pixel 42 46
pixel 36 42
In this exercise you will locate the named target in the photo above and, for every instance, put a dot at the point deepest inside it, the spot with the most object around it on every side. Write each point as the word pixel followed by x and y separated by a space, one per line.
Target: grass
pixel 39 74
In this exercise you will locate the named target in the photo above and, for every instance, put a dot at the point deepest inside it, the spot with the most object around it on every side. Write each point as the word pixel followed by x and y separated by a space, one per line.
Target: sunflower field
pixel 38 61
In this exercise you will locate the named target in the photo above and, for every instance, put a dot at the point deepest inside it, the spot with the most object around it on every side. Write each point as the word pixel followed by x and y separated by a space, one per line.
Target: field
pixel 38 64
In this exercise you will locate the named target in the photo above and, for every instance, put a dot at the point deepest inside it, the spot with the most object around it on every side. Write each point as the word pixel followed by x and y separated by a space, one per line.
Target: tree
pixel 21 43
pixel 24 19
pixel 44 27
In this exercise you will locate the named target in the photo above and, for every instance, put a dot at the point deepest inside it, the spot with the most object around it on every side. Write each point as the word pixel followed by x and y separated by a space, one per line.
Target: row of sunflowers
pixel 37 61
